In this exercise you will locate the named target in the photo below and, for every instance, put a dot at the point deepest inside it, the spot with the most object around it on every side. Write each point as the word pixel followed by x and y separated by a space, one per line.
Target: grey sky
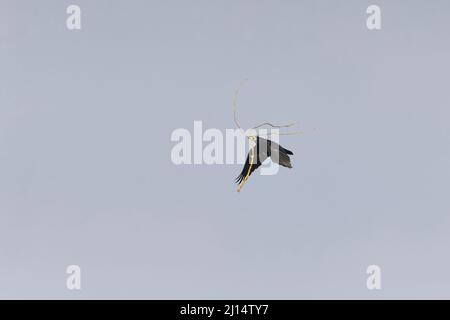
pixel 85 170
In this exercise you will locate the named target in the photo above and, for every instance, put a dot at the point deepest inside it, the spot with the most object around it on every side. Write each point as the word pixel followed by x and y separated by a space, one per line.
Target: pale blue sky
pixel 85 170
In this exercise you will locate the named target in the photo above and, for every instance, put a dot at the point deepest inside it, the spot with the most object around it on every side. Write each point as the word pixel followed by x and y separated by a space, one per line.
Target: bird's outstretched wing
pixel 280 155
pixel 255 165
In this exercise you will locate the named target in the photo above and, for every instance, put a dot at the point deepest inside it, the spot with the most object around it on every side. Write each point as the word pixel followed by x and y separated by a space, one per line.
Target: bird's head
pixel 251 134
pixel 252 138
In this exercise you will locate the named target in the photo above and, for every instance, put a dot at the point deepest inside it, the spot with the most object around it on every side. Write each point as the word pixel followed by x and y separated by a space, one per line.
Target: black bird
pixel 264 149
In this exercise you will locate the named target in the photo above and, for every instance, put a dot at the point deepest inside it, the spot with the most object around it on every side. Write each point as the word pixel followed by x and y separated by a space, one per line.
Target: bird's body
pixel 262 150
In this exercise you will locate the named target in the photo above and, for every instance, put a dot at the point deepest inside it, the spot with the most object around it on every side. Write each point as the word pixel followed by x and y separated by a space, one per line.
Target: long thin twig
pixel 274 126
pixel 258 126
pixel 285 133
pixel 234 103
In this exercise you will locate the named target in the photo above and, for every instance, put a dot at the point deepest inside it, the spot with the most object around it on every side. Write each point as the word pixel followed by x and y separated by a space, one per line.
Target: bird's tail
pixel 284 160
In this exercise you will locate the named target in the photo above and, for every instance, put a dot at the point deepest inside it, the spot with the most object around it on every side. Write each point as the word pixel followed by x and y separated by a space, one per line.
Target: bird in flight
pixel 262 149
